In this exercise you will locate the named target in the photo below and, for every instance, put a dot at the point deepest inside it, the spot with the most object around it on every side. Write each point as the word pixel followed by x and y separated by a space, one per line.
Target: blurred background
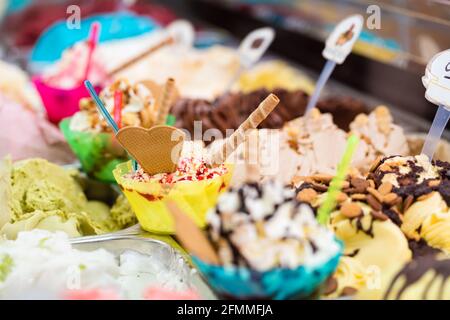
pixel 399 38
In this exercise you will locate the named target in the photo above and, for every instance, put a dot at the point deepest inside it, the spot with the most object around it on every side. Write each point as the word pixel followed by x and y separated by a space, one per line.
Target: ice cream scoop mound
pixel 429 219
pixel 423 278
pixel 382 134
pixel 366 219
pixel 41 195
pixel 268 245
pixel 268 229
pixel 138 108
pixel 188 169
pixel 314 144
pixel 69 71
pixel 402 171
pixel 424 187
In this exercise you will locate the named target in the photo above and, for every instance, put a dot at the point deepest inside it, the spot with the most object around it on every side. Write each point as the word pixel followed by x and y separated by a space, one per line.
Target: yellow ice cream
pixel 402 198
pixel 425 184
pixel 350 273
pixel 429 219
pixel 424 278
pixel 372 243
pixel 274 74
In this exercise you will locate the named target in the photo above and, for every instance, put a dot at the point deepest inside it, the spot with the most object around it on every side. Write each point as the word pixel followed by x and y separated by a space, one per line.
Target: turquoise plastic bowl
pixel 57 38
pixel 277 284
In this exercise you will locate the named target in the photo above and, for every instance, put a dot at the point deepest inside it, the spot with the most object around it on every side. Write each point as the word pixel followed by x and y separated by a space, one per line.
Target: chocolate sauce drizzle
pixel 444 171
pixel 408 182
pixel 421 248
pixel 359 226
pixel 354 253
pixel 392 215
pixel 304 185
pixel 423 188
pixel 413 271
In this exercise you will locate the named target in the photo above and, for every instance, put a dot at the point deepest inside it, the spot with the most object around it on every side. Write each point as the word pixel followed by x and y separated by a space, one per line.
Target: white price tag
pixel 254 45
pixel 182 32
pixel 437 79
pixel 340 42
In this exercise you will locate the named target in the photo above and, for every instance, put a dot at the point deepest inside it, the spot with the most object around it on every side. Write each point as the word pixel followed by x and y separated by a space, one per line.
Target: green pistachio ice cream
pixel 36 194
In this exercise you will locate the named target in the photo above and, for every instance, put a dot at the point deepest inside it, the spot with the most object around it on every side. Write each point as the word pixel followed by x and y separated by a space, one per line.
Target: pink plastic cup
pixel 60 103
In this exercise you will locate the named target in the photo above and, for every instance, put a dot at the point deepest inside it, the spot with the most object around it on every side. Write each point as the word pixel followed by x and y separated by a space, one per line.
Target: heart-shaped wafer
pixel 157 149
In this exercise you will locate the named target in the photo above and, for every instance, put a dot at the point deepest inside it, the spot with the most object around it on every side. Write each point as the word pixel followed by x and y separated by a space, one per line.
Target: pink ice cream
pixel 92 294
pixel 69 71
pixel 155 293
pixel 62 86
pixel 27 134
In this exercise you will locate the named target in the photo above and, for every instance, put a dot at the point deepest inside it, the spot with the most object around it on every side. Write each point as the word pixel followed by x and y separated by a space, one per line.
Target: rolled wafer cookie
pixel 141 56
pixel 252 122
pixel 167 95
pixel 251 153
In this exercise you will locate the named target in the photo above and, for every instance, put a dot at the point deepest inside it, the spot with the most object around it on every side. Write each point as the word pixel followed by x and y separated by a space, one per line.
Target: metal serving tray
pixel 117 244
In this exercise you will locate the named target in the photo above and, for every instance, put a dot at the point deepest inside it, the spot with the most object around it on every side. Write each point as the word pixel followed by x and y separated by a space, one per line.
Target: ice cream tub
pixel 280 283
pixel 98 153
pixel 60 103
pixel 148 199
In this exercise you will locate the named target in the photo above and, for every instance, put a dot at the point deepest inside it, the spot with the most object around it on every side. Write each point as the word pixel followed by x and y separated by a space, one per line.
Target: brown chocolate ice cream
pixel 230 110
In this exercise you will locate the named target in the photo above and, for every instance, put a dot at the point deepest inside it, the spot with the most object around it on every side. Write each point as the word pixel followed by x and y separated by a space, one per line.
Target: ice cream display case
pixel 232 150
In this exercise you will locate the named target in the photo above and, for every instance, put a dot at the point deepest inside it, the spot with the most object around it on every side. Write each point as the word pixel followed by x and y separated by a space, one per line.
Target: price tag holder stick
pixel 434 135
pixel 437 83
pixel 338 46
pixel 251 49
pixel 323 79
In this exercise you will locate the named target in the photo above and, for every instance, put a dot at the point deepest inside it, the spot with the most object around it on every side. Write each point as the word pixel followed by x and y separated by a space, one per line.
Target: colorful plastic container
pixel 148 199
pixel 58 37
pixel 58 102
pixel 99 153
pixel 279 283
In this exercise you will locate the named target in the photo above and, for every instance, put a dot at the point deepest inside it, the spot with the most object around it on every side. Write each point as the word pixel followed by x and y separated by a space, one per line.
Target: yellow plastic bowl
pixel 148 199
